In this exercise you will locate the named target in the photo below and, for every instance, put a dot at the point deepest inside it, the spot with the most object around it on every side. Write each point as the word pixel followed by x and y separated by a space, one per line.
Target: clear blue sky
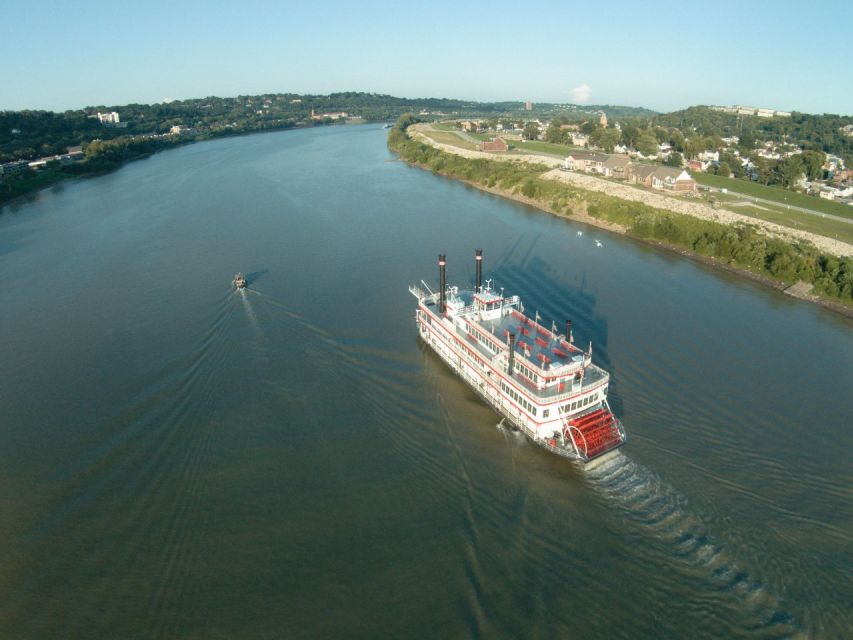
pixel 663 55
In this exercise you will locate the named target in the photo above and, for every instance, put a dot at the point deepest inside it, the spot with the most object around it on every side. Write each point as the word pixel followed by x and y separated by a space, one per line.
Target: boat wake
pixel 643 497
pixel 250 312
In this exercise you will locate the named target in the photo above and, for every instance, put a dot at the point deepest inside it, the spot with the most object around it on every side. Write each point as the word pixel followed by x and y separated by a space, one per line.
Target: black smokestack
pixel 442 283
pixel 569 331
pixel 511 364
pixel 478 261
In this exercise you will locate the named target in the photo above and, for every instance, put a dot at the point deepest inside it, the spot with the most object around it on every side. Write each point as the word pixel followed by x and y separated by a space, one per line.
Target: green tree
pixel 747 141
pixel 647 144
pixel 789 171
pixel 589 126
pixel 694 146
pixel 813 164
pixel 723 169
pixel 531 131
pixel 762 169
pixel 554 134
pixel 674 160
pixel 605 138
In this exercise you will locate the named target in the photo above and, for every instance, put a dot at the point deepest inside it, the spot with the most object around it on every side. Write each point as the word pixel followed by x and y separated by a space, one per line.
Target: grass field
pixel 797 220
pixel 449 137
pixel 543 147
pixel 777 194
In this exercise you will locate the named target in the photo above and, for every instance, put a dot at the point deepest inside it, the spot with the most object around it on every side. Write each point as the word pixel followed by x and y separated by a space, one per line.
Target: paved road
pixel 792 207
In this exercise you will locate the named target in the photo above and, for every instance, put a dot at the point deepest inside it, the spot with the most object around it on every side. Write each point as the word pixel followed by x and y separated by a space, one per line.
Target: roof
pixel 614 162
pixel 662 173
pixel 643 171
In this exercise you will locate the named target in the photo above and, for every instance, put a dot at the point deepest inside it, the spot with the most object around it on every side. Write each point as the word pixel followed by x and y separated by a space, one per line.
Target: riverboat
pixel 240 281
pixel 536 379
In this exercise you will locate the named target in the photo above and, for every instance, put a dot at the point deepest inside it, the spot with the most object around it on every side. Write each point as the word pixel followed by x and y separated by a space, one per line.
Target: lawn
pixel 449 137
pixel 777 194
pixel 798 220
pixel 544 147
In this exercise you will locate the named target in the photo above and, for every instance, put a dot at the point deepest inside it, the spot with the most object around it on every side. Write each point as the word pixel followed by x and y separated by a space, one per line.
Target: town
pixel 665 159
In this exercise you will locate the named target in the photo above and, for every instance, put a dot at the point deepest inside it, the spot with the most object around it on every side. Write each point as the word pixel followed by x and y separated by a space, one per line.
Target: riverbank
pixel 118 152
pixel 641 221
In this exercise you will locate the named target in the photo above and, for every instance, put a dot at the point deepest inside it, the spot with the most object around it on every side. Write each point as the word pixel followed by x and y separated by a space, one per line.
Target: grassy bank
pixel 775 194
pixel 734 246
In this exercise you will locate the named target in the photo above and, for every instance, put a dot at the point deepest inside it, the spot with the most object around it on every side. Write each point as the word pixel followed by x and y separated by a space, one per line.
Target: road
pixel 792 207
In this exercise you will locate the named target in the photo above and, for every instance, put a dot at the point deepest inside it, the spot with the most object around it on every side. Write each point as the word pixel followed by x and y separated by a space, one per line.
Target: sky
pixel 786 55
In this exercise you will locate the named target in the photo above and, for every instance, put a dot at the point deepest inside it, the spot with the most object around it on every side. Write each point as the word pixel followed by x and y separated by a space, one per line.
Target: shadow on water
pixel 254 276
pixel 543 290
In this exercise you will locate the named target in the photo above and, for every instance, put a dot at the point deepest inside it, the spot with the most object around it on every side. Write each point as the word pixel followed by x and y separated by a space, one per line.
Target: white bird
pixel 580 233
pixel 598 243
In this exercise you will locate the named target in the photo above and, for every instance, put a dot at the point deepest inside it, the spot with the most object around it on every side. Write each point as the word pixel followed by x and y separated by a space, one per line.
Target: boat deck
pixel 535 346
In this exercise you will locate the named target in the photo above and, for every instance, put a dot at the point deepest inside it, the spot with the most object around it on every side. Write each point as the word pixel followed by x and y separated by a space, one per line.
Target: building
pixel 495 144
pixel 615 167
pixel 181 130
pixel 673 179
pixel 108 118
pixel 640 173
pixel 603 120
pixel 11 168
pixel 332 115
pixel 586 161
pixel 580 139
pixel 528 106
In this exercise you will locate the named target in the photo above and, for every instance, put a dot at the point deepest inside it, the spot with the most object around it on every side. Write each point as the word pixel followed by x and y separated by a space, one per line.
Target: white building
pixel 108 118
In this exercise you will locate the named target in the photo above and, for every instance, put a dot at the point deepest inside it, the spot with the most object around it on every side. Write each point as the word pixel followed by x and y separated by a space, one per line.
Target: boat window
pixel 534 411
pixel 574 405
pixel 546 413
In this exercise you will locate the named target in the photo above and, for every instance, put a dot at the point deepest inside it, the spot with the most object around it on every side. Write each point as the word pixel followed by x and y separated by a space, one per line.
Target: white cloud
pixel 581 94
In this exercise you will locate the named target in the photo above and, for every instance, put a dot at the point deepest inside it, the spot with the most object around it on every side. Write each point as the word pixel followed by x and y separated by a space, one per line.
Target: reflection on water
pixel 180 459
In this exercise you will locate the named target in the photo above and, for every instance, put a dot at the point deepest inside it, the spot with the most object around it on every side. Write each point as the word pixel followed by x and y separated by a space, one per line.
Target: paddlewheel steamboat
pixel 538 380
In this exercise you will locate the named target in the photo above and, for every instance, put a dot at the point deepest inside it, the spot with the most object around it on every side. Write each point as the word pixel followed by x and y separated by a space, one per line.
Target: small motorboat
pixel 240 281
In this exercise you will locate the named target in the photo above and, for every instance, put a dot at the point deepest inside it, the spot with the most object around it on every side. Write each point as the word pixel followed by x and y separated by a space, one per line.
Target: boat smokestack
pixel 478 261
pixel 511 364
pixel 442 283
pixel 569 331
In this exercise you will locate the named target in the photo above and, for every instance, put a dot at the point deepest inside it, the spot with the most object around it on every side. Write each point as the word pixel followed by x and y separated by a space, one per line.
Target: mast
pixel 442 283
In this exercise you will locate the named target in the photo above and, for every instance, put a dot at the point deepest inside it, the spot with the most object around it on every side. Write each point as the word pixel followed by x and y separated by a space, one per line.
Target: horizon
pixel 100 54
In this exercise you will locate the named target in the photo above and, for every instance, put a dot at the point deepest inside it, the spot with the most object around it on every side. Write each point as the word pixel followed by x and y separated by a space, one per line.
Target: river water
pixel 180 460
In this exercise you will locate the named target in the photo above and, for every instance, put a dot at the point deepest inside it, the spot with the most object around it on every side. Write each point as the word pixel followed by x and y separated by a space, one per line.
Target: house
pixel 181 130
pixel 835 193
pixel 332 115
pixel 709 156
pixel 697 165
pixel 684 182
pixel 108 118
pixel 586 161
pixel 580 139
pixel 671 178
pixel 615 167
pixel 640 173
pixel 16 166
pixel 495 144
